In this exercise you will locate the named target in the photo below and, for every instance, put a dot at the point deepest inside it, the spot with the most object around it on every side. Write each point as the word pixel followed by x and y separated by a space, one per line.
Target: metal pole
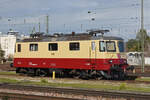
pixel 81 27
pixel 39 27
pixel 33 31
pixel 47 24
pixel 142 31
pixel 65 28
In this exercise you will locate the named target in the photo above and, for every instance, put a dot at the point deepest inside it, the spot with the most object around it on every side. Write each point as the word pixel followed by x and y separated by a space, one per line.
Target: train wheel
pixel 30 72
pixel 99 78
pixel 77 75
pixel 84 75
pixel 41 72
pixel 23 71
pixel 17 70
pixel 118 75
pixel 122 75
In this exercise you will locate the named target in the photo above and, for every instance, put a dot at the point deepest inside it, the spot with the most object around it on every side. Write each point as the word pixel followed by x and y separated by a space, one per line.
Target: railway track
pixel 139 74
pixel 15 96
pixel 131 80
pixel 114 94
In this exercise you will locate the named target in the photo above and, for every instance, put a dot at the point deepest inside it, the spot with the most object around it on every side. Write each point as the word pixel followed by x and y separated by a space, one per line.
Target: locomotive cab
pixel 115 58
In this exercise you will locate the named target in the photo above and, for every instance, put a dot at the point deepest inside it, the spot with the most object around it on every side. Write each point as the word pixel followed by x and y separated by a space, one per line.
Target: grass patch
pixel 7 80
pixel 72 85
pixel 8 73
pixel 143 79
pixel 100 86
pixel 123 86
pixel 44 81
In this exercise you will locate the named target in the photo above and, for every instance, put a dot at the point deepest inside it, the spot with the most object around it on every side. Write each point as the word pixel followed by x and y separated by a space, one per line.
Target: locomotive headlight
pixel 110 61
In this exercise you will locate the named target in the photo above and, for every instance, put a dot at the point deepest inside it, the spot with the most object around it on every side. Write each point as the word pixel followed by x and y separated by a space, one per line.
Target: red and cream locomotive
pixel 83 55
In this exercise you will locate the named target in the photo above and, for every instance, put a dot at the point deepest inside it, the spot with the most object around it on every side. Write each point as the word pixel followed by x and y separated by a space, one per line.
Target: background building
pixel 7 43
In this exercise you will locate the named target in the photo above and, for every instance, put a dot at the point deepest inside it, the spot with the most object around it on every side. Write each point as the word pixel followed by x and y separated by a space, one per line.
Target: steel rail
pixel 85 92
pixel 18 96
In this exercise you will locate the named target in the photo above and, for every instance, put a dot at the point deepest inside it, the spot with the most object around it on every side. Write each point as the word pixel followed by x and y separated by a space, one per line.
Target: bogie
pixel 79 74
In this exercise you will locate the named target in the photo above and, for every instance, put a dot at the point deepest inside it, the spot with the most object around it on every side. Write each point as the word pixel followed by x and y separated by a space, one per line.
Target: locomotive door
pixel 93 55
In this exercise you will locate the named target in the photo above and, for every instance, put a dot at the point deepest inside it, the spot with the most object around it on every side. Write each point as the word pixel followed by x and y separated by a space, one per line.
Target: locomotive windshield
pixel 108 46
pixel 121 46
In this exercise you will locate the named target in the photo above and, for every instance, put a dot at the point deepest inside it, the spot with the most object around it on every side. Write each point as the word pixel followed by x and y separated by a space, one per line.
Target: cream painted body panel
pixel 63 50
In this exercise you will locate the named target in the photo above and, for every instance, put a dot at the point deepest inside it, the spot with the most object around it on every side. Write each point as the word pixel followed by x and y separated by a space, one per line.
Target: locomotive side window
pixel 19 48
pixel 102 46
pixel 33 47
pixel 53 47
pixel 74 46
pixel 93 46
pixel 110 45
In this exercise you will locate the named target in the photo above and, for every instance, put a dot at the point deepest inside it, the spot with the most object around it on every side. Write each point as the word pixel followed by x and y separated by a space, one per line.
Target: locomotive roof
pixel 68 37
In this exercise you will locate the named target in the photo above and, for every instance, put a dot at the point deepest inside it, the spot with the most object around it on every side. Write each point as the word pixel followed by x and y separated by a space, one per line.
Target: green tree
pixel 135 44
pixel 139 35
pixel 139 38
pixel 132 45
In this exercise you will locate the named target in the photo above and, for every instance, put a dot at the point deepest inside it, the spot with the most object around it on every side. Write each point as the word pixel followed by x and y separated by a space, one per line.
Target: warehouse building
pixel 7 43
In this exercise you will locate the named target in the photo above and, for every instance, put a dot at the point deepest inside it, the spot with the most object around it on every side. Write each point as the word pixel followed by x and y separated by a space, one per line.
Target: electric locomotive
pixel 84 55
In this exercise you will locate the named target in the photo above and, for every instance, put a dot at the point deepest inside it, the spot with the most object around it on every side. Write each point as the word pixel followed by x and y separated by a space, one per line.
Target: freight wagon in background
pixel 82 55
pixel 135 58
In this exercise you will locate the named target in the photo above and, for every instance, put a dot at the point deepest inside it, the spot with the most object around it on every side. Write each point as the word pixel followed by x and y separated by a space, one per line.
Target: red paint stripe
pixel 68 63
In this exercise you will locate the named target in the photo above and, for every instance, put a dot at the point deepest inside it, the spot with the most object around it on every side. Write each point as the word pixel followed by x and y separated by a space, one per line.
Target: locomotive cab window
pixel 110 45
pixel 74 46
pixel 33 47
pixel 19 47
pixel 53 47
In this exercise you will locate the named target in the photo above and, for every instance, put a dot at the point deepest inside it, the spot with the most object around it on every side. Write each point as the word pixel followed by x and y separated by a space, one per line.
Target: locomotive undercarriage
pixel 115 73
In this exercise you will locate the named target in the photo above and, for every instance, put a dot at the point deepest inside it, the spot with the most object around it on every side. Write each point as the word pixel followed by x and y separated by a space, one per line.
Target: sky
pixel 121 17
